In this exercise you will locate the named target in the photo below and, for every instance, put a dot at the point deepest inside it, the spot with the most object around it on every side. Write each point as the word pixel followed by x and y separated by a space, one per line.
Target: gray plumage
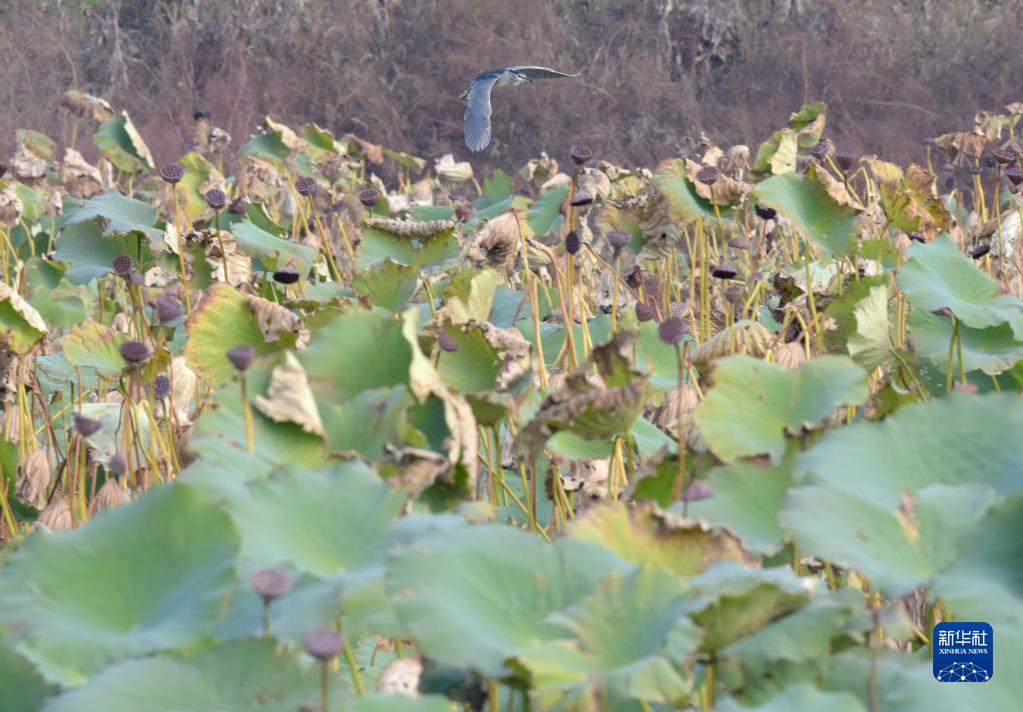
pixel 477 96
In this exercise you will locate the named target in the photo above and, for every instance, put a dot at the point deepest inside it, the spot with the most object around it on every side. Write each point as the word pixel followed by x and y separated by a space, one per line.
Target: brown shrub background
pixel 654 71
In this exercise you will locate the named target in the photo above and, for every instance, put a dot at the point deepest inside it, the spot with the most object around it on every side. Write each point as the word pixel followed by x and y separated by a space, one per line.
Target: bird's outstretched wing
pixel 530 72
pixel 477 111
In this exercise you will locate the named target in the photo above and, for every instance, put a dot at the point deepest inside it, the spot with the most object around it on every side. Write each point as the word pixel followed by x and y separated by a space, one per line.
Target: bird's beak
pixel 464 94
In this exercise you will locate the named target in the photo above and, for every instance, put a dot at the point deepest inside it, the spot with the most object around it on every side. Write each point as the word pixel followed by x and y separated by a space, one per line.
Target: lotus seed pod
pixel 618 239
pixel 1003 155
pixel 161 387
pixel 323 644
pixel 241 357
pixel 216 198
pixel 446 343
pixel 306 186
pixel 123 265
pixel 572 243
pixel 286 275
pixel 1015 175
pixel 118 463
pixel 821 149
pixel 739 243
pixel 845 159
pixel 134 351
pixel 237 206
pixel 172 173
pixel 644 312
pixel 168 308
pixel 581 154
pixel 671 330
pixel 764 212
pixel 86 426
pixel 734 295
pixel 136 278
pixel 725 271
pixel 697 491
pixel 707 175
pixel 369 197
pixel 581 198
pixel 270 584
pixel 980 249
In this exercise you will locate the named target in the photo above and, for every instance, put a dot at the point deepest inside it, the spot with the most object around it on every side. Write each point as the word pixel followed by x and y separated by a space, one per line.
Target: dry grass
pixel 892 73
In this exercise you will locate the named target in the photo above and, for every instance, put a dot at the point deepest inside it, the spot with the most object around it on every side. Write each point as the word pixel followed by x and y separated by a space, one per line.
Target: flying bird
pixel 477 98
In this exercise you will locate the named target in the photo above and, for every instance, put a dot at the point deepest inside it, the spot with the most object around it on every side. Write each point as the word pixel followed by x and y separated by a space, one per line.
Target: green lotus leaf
pixel 156 573
pixel 544 214
pixel 474 366
pixel 398 703
pixel 200 176
pixel 938 276
pixel 639 535
pixel 685 204
pixel 267 146
pixel 387 284
pixel 121 143
pixel 746 501
pixel 379 244
pixel 840 314
pixel 470 296
pixel 897 548
pixel 802 697
pixel 24 688
pixel 923 444
pixel 21 326
pixel 119 215
pixel 413 163
pixel 334 521
pixel 730 601
pixel 271 250
pixel 355 352
pixel 627 639
pixel 993 349
pixel 754 403
pixel 811 210
pixel 97 346
pixel 367 422
pixel 801 636
pixel 871 345
pixel 88 253
pixel 219 433
pixel 222 321
pixel 238 676
pixel 475 597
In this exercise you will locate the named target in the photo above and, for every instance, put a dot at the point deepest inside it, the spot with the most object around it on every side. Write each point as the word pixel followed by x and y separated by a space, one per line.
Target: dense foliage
pixel 732 433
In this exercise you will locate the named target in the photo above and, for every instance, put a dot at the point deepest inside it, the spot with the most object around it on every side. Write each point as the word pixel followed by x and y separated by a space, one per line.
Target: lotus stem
pixel 250 436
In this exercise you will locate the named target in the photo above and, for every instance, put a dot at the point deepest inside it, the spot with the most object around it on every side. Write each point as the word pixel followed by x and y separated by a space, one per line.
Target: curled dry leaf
pixel 587 410
pixel 289 398
pixel 239 264
pixel 10 206
pixel 83 180
pixel 750 337
pixel 588 477
pixel 15 337
pixel 449 170
pixel 540 170
pixel 421 230
pixel 401 677
pixel 836 189
pixel 276 321
pixel 497 242
pixel 33 480
pixel 968 143
pixel 56 517
pixel 109 496
pixel 515 354
pixel 724 190
pixel 790 355
pixel 183 383
pixel 28 165
pixel 373 151
pixel 417 469
pixel 87 106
